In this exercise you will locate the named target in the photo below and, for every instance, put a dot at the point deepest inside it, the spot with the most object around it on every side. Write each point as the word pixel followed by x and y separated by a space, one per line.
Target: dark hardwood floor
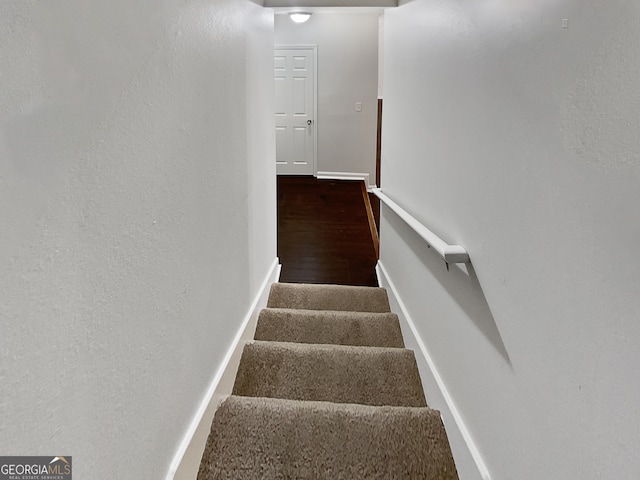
pixel 324 234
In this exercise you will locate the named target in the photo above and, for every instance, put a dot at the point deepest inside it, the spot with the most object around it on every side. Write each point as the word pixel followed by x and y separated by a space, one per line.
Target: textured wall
pixel 347 73
pixel 518 139
pixel 137 211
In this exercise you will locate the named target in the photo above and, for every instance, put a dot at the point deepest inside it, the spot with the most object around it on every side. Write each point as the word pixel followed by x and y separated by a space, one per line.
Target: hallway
pixel 138 211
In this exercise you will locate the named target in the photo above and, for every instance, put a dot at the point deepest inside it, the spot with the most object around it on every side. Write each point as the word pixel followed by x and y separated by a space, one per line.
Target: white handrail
pixel 450 253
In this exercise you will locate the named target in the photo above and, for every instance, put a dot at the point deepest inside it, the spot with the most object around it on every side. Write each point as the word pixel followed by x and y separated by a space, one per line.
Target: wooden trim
pixel 379 144
pixel 372 221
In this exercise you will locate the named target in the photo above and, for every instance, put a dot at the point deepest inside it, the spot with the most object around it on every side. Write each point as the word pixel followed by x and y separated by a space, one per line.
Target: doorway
pixel 295 69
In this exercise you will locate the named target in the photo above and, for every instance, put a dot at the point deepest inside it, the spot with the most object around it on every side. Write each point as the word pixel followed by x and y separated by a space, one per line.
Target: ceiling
pixel 329 3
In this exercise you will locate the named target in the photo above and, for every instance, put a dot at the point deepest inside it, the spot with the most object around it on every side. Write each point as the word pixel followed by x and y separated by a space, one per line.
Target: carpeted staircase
pixel 327 391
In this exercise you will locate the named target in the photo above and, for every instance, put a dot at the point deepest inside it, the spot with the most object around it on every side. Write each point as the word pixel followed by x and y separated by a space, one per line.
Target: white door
pixel 295 96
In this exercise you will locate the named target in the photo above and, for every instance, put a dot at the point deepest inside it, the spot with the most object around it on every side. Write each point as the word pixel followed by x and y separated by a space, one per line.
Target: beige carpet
pixel 330 373
pixel 348 405
pixel 328 297
pixel 327 326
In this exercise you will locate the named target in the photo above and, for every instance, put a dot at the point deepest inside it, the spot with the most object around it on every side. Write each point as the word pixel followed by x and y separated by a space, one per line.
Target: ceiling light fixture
pixel 300 17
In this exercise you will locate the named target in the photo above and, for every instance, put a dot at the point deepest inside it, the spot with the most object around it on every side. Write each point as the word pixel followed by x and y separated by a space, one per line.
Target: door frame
pixel 313 47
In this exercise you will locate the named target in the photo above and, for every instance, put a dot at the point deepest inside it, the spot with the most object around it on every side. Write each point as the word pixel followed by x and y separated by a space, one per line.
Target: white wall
pixel 518 139
pixel 347 73
pixel 137 211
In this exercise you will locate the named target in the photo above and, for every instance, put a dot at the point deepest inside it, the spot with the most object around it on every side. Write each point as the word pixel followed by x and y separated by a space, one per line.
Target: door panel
pixel 281 95
pixel 300 144
pixel 300 103
pixel 295 97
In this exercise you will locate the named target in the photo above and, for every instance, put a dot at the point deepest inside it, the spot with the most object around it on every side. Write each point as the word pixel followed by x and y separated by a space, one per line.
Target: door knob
pixel 309 122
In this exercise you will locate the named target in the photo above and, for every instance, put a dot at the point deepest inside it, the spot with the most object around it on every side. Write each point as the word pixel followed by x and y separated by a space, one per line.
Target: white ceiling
pixel 309 4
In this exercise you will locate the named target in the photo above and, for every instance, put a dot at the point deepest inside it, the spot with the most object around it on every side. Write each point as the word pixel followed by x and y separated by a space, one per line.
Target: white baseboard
pixel 466 454
pixel 346 176
pixel 187 459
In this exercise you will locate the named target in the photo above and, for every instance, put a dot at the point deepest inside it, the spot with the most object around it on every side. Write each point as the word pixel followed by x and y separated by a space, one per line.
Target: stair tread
pixel 328 297
pixel 336 373
pixel 329 327
pixel 273 438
